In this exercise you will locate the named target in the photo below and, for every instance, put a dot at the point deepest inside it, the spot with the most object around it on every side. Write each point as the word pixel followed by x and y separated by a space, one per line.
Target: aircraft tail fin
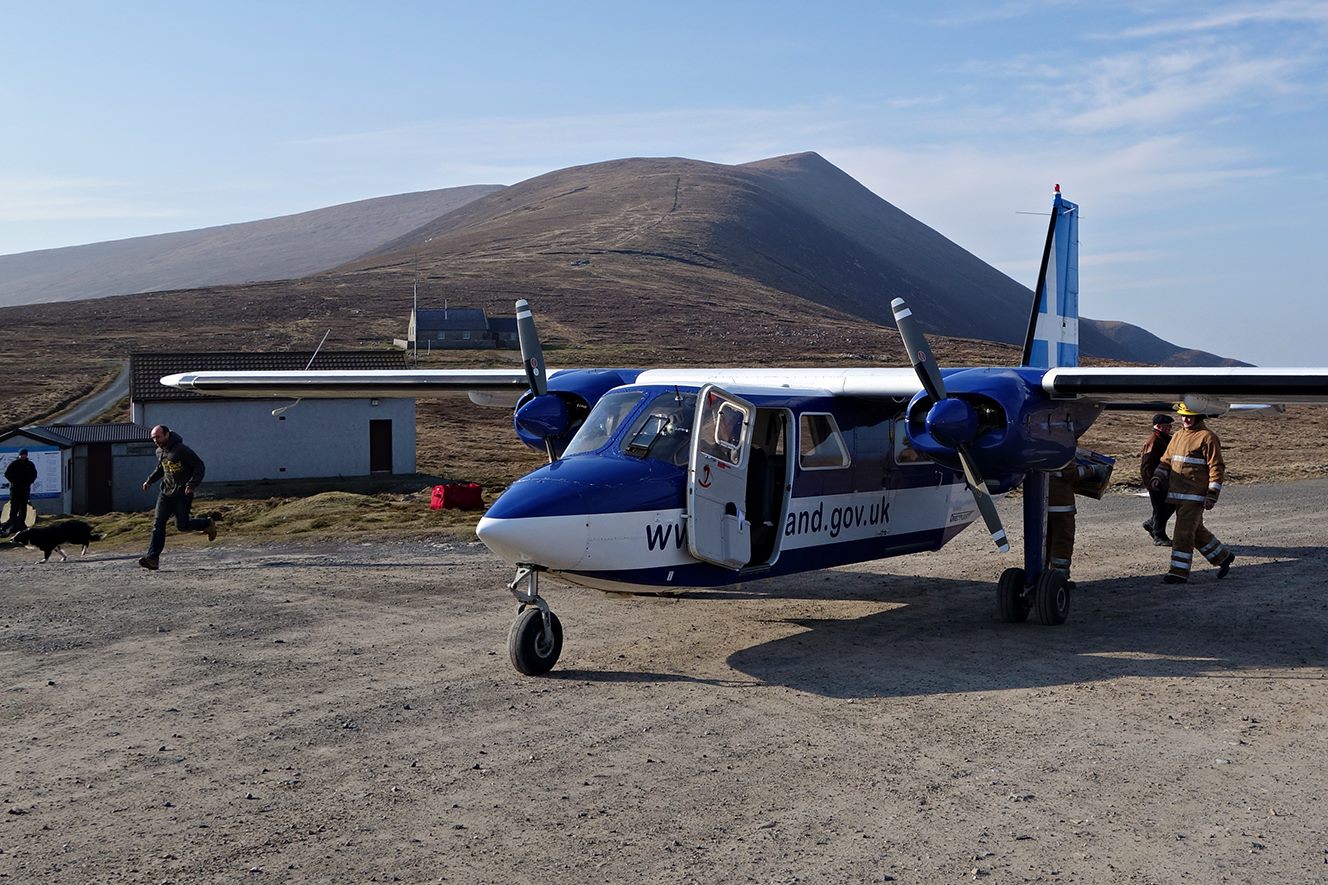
pixel 1053 327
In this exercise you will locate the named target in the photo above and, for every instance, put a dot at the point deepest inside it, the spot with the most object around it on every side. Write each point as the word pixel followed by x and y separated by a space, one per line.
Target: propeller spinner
pixel 951 421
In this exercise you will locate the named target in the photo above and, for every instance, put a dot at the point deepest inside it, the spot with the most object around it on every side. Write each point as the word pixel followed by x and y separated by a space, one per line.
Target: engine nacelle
pixel 1005 419
pixel 557 415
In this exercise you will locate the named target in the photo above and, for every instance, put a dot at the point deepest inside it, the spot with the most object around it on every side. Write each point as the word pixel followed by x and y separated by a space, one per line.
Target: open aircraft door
pixel 717 526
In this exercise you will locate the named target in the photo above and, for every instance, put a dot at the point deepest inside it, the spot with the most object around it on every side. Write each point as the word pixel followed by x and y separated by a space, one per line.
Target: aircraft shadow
pixel 946 637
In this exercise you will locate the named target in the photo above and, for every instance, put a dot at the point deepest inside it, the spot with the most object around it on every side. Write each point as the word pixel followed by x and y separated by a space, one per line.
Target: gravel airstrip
pixel 346 712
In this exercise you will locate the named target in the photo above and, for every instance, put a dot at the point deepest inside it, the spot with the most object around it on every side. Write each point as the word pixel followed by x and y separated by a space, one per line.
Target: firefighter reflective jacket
pixel 1192 468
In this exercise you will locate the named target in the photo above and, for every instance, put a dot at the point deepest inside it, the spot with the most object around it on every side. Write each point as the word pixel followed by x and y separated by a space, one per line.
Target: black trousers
pixel 1162 511
pixel 176 506
pixel 18 509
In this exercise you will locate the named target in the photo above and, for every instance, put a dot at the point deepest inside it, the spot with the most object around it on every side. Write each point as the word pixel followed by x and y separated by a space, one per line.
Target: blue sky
pixel 1192 134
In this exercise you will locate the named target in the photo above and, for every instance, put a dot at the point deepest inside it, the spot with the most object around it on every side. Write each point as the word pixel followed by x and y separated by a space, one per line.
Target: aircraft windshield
pixel 663 430
pixel 603 421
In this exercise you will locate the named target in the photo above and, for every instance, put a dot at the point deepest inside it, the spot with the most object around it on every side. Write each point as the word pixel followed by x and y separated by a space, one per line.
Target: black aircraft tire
pixel 1052 597
pixel 526 646
pixel 1010 602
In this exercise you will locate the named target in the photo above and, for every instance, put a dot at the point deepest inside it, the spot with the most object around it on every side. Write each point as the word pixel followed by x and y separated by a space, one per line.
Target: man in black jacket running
pixel 180 472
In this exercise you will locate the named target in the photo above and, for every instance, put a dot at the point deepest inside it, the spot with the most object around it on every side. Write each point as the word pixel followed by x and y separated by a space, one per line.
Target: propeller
pixel 951 421
pixel 532 358
pixel 532 354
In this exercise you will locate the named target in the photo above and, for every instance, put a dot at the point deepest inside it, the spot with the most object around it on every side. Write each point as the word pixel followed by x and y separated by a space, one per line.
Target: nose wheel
pixel 536 638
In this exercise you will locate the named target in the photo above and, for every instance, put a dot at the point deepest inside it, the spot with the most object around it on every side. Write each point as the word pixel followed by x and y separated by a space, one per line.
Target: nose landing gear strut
pixel 536 638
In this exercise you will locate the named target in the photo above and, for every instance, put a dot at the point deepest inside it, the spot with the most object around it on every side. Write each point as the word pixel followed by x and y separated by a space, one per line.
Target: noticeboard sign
pixel 50 476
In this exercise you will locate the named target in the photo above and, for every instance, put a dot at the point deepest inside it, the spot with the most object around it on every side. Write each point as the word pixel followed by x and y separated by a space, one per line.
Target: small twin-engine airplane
pixel 665 479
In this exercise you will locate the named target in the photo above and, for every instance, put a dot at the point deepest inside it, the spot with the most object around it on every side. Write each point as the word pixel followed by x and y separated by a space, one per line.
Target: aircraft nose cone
pixel 537 521
pixel 555 542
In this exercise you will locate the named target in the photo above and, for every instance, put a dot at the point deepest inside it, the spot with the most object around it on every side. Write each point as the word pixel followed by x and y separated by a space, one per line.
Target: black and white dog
pixel 48 538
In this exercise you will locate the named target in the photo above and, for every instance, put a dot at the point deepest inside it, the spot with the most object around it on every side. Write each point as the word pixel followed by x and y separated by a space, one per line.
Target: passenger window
pixel 820 445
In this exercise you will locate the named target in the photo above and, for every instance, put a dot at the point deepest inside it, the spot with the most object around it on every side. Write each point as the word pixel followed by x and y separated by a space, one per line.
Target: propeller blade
pixel 919 354
pixel 532 355
pixel 986 506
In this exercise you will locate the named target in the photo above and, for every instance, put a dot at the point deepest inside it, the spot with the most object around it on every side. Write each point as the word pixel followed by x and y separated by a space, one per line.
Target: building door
pixel 100 497
pixel 380 446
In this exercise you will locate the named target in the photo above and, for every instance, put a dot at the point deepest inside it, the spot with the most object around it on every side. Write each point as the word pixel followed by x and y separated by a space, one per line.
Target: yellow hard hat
pixel 1182 409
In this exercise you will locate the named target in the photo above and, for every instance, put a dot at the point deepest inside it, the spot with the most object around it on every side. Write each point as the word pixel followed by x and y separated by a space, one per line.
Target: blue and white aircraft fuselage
pixel 612 512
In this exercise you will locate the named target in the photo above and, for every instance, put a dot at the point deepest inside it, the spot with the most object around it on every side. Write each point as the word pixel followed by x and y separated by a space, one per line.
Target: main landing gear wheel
pixel 1051 597
pixel 1011 603
pixel 532 651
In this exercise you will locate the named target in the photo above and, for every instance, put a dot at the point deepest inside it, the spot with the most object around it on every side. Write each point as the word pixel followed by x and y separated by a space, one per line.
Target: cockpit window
pixel 662 432
pixel 603 421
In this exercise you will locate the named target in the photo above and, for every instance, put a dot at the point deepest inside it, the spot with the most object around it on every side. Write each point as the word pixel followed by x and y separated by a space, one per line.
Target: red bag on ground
pixel 457 495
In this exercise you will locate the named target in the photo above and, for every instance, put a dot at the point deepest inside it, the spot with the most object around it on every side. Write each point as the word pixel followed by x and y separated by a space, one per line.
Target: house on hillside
pixel 457 328
pixel 504 332
pixel 242 439
pixel 86 468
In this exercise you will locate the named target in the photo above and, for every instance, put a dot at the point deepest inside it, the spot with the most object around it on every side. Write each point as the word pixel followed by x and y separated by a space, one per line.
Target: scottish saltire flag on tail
pixel 1053 328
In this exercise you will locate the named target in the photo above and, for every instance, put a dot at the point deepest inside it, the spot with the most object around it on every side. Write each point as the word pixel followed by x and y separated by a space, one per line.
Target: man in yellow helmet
pixel 1192 471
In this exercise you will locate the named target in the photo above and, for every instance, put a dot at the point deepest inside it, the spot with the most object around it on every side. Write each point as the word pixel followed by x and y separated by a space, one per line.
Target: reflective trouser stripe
pixel 1189 533
pixel 1215 552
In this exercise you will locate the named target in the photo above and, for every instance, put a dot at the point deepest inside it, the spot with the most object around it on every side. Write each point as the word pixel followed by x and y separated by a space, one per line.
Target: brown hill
pixel 668 228
pixel 272 249
pixel 1148 348
pixel 794 224
pixel 634 262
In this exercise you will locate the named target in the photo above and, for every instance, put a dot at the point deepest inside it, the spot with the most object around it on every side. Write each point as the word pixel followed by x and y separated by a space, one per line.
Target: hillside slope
pixel 795 224
pixel 272 249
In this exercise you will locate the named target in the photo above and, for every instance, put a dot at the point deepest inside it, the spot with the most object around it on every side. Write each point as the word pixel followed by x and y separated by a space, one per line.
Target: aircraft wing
pixel 893 383
pixel 440 382
pixel 383 383
pixel 1212 390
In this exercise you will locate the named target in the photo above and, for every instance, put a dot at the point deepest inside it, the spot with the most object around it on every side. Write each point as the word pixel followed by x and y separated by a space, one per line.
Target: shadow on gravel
pixel 946 637
pixel 629 676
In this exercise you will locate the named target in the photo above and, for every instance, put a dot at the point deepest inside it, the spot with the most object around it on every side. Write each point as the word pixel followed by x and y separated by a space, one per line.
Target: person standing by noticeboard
pixel 20 474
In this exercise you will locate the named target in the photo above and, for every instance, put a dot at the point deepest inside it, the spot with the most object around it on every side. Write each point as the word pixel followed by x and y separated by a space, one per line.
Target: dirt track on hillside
pixel 348 713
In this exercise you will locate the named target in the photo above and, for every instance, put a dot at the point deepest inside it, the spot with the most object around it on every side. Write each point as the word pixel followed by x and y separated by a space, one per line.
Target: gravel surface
pixel 347 712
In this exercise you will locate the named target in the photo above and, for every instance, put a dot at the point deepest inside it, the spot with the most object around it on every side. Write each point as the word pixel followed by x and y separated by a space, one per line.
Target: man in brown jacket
pixel 1149 457
pixel 1192 471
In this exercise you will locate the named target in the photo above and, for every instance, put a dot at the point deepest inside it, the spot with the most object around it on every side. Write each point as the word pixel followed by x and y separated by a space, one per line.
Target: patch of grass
pixel 328 515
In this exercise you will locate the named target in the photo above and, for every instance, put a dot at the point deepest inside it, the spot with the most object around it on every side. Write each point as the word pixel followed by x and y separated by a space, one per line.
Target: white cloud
pixel 1170 88
pixel 58 199
pixel 1288 12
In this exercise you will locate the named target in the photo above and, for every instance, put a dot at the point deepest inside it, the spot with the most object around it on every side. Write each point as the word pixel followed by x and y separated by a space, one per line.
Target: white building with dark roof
pixel 242 439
